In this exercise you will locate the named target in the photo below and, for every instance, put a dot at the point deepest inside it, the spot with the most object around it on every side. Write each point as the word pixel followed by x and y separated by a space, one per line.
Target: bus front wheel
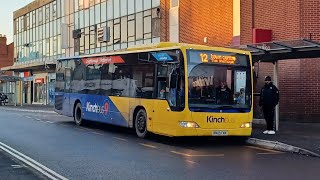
pixel 141 123
pixel 78 115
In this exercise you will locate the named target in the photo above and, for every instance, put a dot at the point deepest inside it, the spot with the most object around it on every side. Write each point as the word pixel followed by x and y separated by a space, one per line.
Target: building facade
pixel 6 59
pixel 299 82
pixel 46 30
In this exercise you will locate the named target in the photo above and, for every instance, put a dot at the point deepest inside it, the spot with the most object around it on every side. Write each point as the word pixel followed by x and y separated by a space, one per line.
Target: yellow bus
pixel 170 89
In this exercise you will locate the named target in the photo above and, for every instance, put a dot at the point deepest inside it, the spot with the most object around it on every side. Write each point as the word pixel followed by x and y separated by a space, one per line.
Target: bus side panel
pixel 166 121
pixel 101 109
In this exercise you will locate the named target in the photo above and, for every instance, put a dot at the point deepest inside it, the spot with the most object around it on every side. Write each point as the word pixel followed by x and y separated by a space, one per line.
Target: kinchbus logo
pixel 211 119
pixel 97 108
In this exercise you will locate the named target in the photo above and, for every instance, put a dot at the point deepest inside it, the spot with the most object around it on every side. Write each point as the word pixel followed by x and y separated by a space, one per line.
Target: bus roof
pixel 157 47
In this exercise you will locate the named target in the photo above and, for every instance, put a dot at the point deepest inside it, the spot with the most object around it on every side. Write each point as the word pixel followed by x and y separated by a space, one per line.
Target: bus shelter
pixel 272 52
pixel 12 88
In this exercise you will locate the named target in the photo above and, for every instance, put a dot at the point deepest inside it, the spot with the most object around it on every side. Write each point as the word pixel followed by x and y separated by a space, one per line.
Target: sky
pixel 6 16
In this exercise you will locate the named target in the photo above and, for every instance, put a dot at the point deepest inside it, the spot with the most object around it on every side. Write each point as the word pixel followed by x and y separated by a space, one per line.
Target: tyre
pixel 140 123
pixel 78 115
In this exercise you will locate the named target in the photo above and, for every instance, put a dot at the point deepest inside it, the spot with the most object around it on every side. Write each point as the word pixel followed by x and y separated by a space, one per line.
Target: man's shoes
pixel 271 132
pixel 265 132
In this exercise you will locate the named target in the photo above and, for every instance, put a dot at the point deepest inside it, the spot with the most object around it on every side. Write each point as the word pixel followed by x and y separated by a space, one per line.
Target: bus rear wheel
pixel 141 123
pixel 78 115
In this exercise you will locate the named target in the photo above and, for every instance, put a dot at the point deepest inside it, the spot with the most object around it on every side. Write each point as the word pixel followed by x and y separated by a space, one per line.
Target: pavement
pixel 302 138
pixel 13 169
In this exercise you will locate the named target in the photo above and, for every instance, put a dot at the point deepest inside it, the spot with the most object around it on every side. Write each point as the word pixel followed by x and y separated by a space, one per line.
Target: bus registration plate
pixel 220 133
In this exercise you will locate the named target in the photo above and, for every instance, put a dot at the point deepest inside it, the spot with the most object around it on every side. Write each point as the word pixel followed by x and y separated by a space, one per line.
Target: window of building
pixel 131 6
pixel 87 38
pixel 47 13
pixel 40 16
pixel 139 5
pixel 124 7
pixel 116 8
pixel 146 4
pixel 76 5
pixel 81 19
pixel 58 8
pixel 97 14
pixel 155 3
pixel 92 15
pixel 131 30
pixel 86 18
pixel 54 10
pixel 116 31
pixel 139 26
pixel 109 9
pixel 124 29
pixel 92 37
pixel 110 25
pixel 103 12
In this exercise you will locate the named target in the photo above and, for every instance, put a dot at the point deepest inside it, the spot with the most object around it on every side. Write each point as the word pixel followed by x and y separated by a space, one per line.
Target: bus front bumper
pixel 213 132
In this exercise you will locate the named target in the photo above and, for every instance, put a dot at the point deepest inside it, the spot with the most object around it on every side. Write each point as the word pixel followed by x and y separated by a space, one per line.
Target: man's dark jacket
pixel 269 96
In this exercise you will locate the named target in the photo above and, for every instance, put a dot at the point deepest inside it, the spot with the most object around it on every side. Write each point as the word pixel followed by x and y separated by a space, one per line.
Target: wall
pixel 206 18
pixel 6 53
pixel 298 79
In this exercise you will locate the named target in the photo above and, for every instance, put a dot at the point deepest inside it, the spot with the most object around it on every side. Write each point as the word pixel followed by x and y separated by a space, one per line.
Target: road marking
pixel 268 150
pixel 17 166
pixel 32 163
pixel 97 133
pixel 121 139
pixel 270 153
pixel 29 117
pixel 148 145
pixel 37 119
pixel 197 155
pixel 84 129
pixel 50 122
pixel 191 162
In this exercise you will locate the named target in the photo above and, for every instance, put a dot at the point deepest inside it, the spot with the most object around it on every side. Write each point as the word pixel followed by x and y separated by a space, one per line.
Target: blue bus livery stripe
pixel 99 108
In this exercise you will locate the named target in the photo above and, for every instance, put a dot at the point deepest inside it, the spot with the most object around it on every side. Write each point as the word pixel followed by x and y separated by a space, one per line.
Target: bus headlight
pixel 246 125
pixel 186 124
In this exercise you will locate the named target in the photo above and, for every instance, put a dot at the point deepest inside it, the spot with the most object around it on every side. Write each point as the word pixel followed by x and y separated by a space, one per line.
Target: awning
pixel 8 78
pixel 280 50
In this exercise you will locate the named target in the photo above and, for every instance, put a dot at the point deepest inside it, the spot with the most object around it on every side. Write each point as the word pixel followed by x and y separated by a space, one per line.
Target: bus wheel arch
pixel 74 106
pixel 140 121
pixel 77 116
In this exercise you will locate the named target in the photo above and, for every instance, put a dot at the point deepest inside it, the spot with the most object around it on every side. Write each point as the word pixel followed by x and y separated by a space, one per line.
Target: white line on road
pixel 148 145
pixel 17 166
pixel 97 133
pixel 50 122
pixel 119 139
pixel 32 163
pixel 37 119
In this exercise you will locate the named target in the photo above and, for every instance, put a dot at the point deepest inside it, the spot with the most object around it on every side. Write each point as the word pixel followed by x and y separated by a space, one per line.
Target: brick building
pixel 45 30
pixel 6 56
pixel 299 82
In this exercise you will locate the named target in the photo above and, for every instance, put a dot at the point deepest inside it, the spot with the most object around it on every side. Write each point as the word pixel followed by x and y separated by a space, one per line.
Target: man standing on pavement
pixel 269 98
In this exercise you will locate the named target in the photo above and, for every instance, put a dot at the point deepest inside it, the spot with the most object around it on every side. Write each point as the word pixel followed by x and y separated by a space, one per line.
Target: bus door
pixel 168 101
pixel 66 99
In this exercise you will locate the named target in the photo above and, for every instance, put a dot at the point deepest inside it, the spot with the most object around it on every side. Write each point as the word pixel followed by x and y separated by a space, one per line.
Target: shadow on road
pixel 184 142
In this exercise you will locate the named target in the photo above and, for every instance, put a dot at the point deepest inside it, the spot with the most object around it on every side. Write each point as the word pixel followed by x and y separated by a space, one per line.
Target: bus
pixel 170 89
